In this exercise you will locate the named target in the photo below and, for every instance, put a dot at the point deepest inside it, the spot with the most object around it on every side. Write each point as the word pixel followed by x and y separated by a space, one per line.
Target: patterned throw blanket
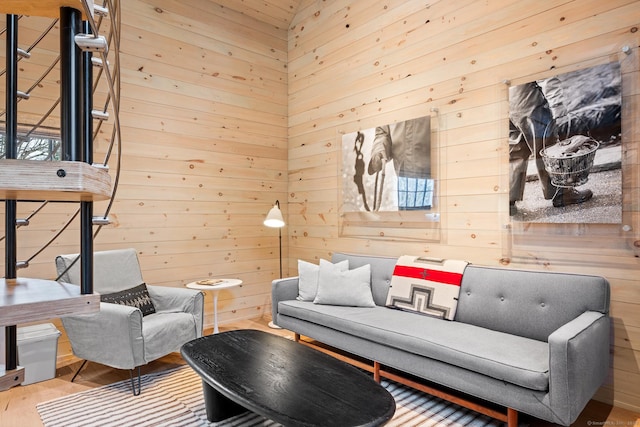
pixel 426 285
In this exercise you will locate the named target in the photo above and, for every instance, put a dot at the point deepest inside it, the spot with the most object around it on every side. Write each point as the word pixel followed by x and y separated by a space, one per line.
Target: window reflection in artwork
pixel 415 193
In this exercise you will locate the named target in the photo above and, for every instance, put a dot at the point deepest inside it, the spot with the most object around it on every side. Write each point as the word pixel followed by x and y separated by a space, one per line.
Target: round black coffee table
pixel 284 381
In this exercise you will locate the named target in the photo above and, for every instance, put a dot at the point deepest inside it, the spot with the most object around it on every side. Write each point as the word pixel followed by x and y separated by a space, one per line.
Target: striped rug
pixel 174 399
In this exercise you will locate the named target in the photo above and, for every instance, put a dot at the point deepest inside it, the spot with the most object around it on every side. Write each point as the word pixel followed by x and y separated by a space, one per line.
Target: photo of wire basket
pixel 569 161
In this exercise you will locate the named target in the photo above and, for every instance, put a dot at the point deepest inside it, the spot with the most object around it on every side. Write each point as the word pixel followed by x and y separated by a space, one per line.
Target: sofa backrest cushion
pixel 381 272
pixel 531 304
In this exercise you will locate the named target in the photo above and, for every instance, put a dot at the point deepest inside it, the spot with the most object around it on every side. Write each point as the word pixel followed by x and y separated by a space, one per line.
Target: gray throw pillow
pixel 350 288
pixel 308 274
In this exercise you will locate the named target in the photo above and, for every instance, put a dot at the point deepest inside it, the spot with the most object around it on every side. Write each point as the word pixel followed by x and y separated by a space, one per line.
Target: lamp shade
pixel 274 217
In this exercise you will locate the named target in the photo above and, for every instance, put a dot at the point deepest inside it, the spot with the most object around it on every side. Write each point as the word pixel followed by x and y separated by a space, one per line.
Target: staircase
pixel 73 176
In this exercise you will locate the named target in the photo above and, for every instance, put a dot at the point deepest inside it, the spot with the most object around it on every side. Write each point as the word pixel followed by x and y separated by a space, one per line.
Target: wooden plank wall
pixel 204 116
pixel 218 104
pixel 355 64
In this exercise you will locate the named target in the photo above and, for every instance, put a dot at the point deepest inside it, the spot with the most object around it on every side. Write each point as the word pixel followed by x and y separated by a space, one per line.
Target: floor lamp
pixel 274 219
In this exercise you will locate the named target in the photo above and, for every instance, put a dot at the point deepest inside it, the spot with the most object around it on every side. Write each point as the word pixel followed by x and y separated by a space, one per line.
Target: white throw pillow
pixel 308 275
pixel 350 288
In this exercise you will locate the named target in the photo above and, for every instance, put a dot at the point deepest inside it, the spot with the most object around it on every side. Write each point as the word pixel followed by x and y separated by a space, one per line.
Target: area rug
pixel 174 399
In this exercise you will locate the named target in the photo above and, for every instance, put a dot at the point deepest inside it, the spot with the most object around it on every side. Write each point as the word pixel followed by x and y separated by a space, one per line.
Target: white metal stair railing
pixel 98 45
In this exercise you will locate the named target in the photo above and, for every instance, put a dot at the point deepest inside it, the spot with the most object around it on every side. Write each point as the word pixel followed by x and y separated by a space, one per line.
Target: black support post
pixel 70 87
pixel 86 208
pixel 75 124
pixel 11 150
pixel 87 101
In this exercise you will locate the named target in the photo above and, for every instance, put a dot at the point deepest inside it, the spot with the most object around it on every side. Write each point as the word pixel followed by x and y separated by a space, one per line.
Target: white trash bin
pixel 37 352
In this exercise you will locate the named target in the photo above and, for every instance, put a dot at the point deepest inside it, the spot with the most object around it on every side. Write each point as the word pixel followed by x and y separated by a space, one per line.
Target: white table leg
pixel 216 287
pixel 215 312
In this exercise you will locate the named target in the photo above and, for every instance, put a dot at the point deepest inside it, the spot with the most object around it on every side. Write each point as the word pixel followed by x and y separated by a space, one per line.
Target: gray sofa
pixel 532 342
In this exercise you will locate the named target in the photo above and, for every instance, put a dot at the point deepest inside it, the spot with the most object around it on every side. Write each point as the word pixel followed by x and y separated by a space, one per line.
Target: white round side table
pixel 214 285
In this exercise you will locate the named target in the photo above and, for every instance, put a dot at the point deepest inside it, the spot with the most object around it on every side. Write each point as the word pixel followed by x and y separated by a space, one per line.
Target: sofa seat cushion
pixel 506 357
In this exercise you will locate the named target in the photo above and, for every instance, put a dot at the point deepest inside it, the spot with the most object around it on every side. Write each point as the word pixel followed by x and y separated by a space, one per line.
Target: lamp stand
pixel 271 324
pixel 280 244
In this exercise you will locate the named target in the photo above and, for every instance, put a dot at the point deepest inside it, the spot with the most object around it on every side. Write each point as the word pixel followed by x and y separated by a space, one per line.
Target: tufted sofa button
pixel 542 305
pixel 501 298
pixel 468 293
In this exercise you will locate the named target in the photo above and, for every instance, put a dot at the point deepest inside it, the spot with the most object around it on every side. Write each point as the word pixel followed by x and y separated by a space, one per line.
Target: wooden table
pixel 284 381
pixel 215 285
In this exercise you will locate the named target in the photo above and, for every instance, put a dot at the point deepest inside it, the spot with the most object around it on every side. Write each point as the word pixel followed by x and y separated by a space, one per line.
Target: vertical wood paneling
pixel 357 64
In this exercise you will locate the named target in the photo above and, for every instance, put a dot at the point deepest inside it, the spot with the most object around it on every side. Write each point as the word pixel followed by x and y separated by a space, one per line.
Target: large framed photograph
pixel 565 148
pixel 388 180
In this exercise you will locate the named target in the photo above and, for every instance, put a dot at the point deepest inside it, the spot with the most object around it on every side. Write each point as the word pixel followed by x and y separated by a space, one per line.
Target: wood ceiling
pixel 279 13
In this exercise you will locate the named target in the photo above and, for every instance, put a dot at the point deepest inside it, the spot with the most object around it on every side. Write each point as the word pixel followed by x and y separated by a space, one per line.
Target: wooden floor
pixel 18 405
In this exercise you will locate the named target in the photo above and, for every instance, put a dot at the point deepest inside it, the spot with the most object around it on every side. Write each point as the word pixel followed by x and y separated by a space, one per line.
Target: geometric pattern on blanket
pixel 428 286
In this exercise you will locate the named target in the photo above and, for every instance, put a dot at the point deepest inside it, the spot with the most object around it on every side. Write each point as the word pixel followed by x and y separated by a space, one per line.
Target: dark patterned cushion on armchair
pixel 137 297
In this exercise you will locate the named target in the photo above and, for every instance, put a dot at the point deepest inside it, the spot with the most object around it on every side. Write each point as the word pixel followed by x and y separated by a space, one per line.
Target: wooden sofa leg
pixel 296 337
pixel 512 417
pixel 376 371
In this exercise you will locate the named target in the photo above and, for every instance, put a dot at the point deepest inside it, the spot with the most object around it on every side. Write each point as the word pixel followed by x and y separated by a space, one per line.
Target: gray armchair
pixel 119 335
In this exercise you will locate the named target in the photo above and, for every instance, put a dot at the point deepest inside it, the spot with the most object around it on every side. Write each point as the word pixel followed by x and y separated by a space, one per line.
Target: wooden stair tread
pixel 55 181
pixel 31 300
pixel 10 378
pixel 48 8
